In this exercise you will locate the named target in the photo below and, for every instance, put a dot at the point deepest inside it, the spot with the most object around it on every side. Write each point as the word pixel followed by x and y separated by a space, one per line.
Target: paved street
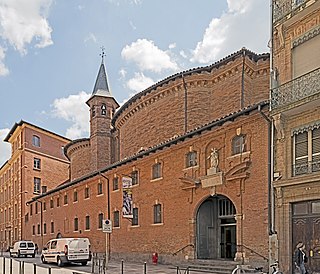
pixel 114 267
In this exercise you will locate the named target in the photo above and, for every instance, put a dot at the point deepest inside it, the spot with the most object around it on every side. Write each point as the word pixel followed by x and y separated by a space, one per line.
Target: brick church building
pixel 181 169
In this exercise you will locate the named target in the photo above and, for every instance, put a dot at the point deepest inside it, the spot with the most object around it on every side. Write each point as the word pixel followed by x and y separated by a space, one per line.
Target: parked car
pixel 23 248
pixel 67 250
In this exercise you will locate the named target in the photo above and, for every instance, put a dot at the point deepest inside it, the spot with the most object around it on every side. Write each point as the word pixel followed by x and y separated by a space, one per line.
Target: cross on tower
pixel 103 53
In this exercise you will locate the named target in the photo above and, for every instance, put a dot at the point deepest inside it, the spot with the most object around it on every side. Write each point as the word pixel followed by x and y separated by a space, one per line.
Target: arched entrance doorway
pixel 216 229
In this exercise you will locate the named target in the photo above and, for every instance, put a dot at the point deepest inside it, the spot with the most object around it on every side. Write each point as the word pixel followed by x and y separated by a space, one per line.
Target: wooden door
pixel 306 229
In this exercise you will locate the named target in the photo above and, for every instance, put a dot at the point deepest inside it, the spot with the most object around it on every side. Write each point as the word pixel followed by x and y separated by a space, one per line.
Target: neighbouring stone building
pixel 194 148
pixel 295 109
pixel 37 164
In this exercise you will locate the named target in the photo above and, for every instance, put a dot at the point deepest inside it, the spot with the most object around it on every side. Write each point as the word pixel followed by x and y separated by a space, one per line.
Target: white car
pixel 23 248
pixel 67 250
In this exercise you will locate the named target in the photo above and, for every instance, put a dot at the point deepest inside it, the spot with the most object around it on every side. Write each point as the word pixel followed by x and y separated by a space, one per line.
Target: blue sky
pixel 49 51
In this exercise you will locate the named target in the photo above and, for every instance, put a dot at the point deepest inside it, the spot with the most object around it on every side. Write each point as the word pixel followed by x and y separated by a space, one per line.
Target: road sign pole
pixel 107 250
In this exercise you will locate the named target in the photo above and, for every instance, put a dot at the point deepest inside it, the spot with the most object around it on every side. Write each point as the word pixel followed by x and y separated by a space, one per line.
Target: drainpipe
pixel 270 172
pixel 242 78
pixel 271 147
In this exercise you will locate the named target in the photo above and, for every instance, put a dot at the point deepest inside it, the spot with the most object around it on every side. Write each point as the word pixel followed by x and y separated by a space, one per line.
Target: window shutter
pixel 301 145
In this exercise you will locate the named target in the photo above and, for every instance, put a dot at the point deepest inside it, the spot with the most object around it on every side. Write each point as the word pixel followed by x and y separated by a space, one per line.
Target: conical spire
pixel 101 87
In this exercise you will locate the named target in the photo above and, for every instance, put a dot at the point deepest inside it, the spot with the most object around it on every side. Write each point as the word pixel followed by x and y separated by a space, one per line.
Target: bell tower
pixel 102 107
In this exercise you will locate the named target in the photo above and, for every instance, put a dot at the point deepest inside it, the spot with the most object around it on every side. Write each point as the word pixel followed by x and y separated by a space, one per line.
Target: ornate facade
pixel 295 102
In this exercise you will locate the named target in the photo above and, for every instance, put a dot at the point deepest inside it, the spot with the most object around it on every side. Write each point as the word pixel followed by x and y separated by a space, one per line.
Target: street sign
pixel 107 226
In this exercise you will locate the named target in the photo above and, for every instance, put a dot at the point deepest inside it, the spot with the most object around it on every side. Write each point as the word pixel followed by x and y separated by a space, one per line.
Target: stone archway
pixel 216 229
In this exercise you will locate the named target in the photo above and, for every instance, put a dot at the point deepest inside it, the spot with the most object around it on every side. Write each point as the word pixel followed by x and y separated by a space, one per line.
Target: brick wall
pixel 249 195
pixel 160 114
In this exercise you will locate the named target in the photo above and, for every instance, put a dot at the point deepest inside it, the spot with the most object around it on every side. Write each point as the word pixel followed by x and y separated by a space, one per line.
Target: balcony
pixel 285 9
pixel 306 168
pixel 297 92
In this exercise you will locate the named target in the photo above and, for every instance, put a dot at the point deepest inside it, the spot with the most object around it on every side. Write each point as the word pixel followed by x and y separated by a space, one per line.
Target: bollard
pixel 121 266
pixel 34 269
pixel 4 265
pixel 10 271
pixel 20 267
pixel 49 270
pixel 145 268
pixel 92 263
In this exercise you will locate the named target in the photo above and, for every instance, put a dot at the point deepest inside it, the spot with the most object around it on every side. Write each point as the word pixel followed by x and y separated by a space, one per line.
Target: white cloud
pixel 122 73
pixel 172 46
pixel 3 69
pixel 244 21
pixel 5 148
pixel 22 22
pixel 90 37
pixel 148 56
pixel 73 109
pixel 139 82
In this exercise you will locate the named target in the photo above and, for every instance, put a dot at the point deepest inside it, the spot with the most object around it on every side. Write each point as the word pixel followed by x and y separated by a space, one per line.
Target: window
pixel 87 222
pixel 239 144
pixel 36 208
pixel 115 183
pixel 36 185
pixel 135 219
pixel 156 171
pixel 44 206
pixel 36 163
pixel 33 230
pixel 51 203
pixel 76 224
pixel 75 196
pixel 100 220
pixel 116 219
pixel 157 218
pixel 86 192
pixel 44 189
pixel 100 189
pixel 36 141
pixel 58 202
pixel 65 199
pixel 38 229
pixel 103 109
pixel 44 228
pixel 135 177
pixel 306 152
pixel 191 159
pixel 52 227
pixel 31 209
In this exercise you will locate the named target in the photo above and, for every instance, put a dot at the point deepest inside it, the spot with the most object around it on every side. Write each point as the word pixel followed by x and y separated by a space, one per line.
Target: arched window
pixel 103 109
pixel 239 144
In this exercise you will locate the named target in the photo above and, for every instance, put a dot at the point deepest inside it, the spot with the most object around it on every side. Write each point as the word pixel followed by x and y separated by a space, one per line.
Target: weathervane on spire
pixel 103 53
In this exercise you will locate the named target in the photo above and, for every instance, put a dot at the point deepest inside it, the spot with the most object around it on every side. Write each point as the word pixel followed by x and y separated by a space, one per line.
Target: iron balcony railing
pixel 306 168
pixel 282 8
pixel 296 90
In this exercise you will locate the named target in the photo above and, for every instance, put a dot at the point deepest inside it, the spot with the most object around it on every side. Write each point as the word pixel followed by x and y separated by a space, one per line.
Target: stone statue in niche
pixel 214 160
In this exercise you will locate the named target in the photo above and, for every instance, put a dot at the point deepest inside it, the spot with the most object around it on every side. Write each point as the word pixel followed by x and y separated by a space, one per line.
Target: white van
pixel 23 248
pixel 67 250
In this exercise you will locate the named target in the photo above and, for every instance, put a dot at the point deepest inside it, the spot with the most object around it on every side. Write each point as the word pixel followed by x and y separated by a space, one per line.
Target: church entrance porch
pixel 216 229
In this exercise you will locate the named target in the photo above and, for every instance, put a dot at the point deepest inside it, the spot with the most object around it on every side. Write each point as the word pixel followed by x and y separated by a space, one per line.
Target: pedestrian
pixel 36 248
pixel 300 258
